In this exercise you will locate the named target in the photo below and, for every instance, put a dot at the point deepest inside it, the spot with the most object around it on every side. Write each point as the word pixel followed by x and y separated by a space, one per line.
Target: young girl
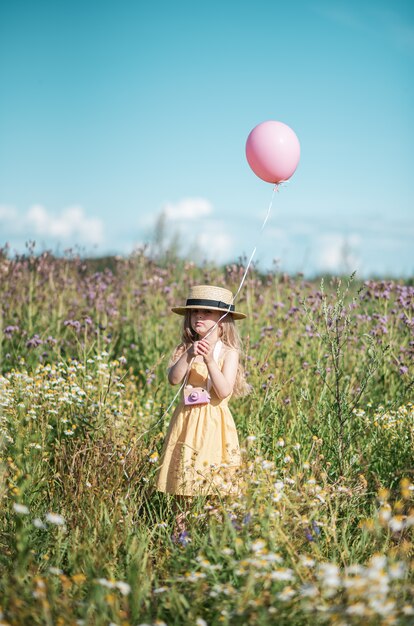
pixel 201 450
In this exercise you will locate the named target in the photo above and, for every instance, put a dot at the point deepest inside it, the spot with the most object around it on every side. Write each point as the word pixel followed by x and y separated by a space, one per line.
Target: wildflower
pixel 329 572
pixel 201 622
pixel 384 514
pixel 37 523
pixel 382 607
pixel 55 518
pixel 281 443
pixel 397 570
pixel 378 562
pixel 308 591
pixel 78 579
pixel 184 538
pixel 307 561
pixel 9 330
pixel 192 577
pixel 283 573
pixel 22 509
pixel 34 342
pixel 383 494
pixel 408 609
pixel 73 324
pixel 267 464
pixel 105 583
pixel 286 594
pixel 357 609
pixel 406 488
pixel 258 546
pixel 123 587
pixel 396 523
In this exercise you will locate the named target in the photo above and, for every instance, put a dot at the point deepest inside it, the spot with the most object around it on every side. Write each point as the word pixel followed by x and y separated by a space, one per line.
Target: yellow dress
pixel 201 450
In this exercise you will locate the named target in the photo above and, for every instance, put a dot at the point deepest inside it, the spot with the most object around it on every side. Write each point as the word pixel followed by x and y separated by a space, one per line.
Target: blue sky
pixel 114 112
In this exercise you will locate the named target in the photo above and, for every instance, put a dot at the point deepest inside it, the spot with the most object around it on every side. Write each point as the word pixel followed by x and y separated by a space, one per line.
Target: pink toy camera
pixel 196 395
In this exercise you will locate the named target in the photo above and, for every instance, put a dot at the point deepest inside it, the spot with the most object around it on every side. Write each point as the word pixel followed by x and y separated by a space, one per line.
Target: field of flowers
pixel 322 532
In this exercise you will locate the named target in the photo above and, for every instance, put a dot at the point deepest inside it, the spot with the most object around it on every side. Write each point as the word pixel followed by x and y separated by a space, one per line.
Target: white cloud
pixel 188 209
pixel 72 226
pixel 216 244
pixel 336 252
pixel 7 213
pixel 200 235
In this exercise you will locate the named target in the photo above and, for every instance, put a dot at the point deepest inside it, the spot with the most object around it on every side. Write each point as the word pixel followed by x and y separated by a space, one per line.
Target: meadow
pixel 322 531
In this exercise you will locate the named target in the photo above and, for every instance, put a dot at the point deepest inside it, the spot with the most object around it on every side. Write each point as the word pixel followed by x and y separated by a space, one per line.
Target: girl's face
pixel 203 320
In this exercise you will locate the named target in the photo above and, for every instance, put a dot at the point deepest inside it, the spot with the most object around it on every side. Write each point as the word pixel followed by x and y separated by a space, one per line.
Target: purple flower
pixel 184 538
pixel 312 533
pixel 247 518
pixel 34 342
pixel 9 330
pixel 73 324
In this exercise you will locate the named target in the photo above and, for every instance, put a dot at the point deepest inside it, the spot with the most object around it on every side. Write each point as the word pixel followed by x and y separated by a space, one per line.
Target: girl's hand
pixel 204 349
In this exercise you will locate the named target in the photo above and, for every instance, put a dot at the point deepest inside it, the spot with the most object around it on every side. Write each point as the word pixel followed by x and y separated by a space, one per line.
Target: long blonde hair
pixel 230 337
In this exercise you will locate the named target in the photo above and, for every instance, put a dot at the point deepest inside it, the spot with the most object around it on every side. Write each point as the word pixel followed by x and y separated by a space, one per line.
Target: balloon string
pixel 275 188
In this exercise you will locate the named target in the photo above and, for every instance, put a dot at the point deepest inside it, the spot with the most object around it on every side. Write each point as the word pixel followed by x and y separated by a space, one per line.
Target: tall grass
pixel 322 530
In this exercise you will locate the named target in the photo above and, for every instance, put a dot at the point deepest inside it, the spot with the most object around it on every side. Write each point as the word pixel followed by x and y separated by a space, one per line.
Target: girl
pixel 201 450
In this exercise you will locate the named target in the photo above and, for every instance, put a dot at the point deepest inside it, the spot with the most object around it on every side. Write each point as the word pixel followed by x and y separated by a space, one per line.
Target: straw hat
pixel 212 298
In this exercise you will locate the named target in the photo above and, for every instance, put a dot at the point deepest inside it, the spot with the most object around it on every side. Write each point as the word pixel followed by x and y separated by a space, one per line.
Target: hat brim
pixel 181 310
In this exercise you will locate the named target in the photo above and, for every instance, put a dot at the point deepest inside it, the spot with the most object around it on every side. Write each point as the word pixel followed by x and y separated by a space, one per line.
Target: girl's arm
pixel 178 370
pixel 223 380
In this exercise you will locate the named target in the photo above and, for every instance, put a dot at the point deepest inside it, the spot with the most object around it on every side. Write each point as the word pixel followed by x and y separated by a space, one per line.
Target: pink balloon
pixel 273 151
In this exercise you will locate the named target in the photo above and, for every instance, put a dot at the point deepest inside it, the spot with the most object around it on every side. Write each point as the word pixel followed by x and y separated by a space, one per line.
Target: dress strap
pixel 216 355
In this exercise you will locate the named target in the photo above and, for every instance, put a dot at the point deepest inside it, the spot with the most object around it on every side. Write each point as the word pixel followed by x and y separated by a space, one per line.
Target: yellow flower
pixel 406 488
pixel 110 598
pixel 383 494
pixel 78 579
pixel 367 524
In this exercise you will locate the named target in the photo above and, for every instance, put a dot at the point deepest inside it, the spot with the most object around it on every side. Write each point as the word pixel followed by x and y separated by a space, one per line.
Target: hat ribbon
pixel 208 303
